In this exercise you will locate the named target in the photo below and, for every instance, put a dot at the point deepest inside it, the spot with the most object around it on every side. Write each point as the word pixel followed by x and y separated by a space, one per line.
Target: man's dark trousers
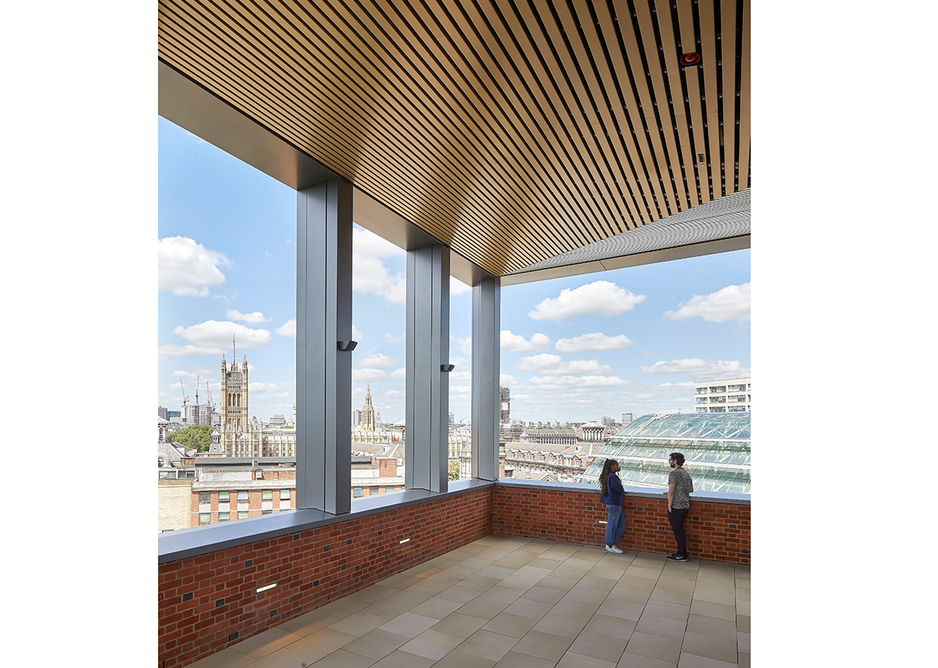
pixel 676 518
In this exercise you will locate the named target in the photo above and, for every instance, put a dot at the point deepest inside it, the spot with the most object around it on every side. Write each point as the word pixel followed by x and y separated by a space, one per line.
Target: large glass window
pixel 379 309
pixel 460 381
pixel 227 314
pixel 642 341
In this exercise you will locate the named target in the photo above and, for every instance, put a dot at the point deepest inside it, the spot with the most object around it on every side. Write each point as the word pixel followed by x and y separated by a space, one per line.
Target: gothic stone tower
pixel 234 404
pixel 368 412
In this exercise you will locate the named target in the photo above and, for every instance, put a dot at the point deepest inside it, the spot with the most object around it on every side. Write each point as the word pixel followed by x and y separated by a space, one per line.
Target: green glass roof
pixel 689 426
pixel 716 447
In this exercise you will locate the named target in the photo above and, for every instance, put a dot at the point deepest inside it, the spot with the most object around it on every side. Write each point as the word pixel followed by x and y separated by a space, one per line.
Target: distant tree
pixel 454 470
pixel 198 437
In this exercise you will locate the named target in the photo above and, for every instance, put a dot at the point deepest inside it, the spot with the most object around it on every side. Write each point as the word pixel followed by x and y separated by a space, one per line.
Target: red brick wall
pixel 320 565
pixel 715 531
pixel 208 602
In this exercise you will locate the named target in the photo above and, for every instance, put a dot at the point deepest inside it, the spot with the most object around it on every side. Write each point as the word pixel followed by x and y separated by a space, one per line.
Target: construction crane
pixel 185 399
pixel 197 379
pixel 208 391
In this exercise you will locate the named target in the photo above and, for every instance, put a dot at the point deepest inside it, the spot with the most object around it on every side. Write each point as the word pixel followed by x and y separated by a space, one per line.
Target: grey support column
pixel 323 372
pixel 486 354
pixel 426 418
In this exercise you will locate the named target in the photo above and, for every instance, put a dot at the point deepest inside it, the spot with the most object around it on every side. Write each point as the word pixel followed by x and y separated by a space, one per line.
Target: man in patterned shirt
pixel 680 486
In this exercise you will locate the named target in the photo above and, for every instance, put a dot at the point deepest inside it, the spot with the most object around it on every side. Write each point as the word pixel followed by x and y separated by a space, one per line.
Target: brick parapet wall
pixel 715 531
pixel 208 602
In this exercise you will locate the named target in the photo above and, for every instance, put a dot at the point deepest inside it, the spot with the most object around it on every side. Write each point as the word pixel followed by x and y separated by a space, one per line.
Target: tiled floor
pixel 518 603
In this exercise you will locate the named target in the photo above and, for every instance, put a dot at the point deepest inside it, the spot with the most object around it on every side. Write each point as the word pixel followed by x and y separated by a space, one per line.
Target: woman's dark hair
pixel 604 476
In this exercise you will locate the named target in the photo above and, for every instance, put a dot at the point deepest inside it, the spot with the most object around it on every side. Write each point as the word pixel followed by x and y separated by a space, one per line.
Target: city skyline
pixel 573 349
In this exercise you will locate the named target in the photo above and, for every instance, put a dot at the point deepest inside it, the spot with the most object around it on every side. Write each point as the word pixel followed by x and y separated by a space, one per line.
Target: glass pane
pixel 227 316
pixel 378 362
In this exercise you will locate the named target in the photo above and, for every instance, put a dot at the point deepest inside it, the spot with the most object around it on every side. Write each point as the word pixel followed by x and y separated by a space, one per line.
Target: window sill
pixel 195 541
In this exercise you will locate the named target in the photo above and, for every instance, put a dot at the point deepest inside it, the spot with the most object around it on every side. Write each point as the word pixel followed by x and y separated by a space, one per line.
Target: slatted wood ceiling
pixel 511 131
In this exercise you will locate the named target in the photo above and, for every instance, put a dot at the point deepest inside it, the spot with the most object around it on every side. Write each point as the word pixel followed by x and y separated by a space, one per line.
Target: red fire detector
pixel 689 59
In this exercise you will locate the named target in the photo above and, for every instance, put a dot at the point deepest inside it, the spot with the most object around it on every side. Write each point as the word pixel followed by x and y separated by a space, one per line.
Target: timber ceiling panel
pixel 510 131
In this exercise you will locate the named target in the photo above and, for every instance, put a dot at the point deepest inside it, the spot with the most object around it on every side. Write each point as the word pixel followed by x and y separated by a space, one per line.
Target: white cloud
pixel 553 365
pixel 505 380
pixel 272 388
pixel 457 287
pixel 369 273
pixel 174 350
pixel 540 342
pixel 515 343
pixel 537 362
pixel 390 338
pixel 686 385
pixel 565 382
pixel 464 345
pixel 460 382
pixel 393 393
pixel 598 298
pixel 699 369
pixel 194 375
pixel 287 329
pixel 368 374
pixel 399 374
pixel 378 361
pixel 253 318
pixel 597 341
pixel 730 303
pixel 213 333
pixel 187 268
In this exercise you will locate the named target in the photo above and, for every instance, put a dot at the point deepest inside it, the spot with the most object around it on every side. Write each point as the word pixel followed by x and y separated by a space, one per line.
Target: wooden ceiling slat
pixel 674 180
pixel 535 165
pixel 598 131
pixel 728 61
pixel 530 148
pixel 552 91
pixel 691 75
pixel 678 108
pixel 566 163
pixel 587 117
pixel 654 154
pixel 629 111
pixel 432 128
pixel 403 118
pixel 613 208
pixel 708 47
pixel 511 130
pixel 606 99
pixel 744 104
pixel 338 168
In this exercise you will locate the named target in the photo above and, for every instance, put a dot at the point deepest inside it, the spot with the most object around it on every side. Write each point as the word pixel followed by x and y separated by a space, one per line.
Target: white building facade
pixel 732 395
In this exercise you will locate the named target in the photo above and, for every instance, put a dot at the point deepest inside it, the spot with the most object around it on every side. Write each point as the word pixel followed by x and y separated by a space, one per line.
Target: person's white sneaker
pixel 614 549
pixel 608 549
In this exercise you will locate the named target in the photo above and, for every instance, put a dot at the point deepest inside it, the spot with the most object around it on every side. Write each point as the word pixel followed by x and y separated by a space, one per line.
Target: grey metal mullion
pixel 427 402
pixel 324 293
pixel 440 410
pixel 486 335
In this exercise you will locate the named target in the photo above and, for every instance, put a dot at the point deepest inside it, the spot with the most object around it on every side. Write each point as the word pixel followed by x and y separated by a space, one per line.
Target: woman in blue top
pixel 612 496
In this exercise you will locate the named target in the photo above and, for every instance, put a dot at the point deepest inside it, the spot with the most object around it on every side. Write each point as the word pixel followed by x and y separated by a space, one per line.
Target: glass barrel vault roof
pixel 716 447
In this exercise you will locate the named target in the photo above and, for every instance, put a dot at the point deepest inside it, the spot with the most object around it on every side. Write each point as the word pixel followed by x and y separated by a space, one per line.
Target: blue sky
pixel 573 349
